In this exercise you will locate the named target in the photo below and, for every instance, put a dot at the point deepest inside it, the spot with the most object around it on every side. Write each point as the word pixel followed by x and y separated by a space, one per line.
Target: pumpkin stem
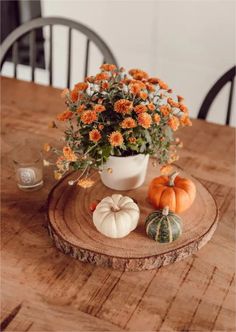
pixel 172 178
pixel 165 211
pixel 115 208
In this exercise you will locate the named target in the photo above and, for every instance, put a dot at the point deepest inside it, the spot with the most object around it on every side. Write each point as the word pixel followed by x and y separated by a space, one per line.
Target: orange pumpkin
pixel 173 191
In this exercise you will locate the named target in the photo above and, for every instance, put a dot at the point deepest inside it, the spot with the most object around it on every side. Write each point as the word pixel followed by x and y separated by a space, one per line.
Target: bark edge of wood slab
pixel 71 228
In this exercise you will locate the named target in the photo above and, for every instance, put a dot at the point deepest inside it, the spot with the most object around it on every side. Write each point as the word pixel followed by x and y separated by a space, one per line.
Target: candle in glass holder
pixel 29 171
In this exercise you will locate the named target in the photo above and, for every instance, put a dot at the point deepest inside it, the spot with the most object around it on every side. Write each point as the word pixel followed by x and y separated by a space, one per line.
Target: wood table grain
pixel 44 290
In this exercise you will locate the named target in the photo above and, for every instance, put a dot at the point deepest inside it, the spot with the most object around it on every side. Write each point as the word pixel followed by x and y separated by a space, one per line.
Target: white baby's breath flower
pixel 178 113
pixel 125 88
pixel 96 88
pixel 89 91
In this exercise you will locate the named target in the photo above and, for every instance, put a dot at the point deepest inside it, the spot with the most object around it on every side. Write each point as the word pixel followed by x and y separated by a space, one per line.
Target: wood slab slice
pixel 71 227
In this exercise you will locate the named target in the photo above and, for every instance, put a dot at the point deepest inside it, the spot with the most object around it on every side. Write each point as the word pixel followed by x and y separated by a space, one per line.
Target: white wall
pixel 189 44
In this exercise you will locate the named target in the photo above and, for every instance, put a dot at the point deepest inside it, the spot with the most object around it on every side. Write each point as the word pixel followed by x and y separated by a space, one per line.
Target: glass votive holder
pixel 29 171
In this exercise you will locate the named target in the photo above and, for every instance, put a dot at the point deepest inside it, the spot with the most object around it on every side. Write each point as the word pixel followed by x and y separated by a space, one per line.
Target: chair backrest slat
pixel 32 53
pixel 213 92
pixel 50 54
pixel 69 57
pixel 230 102
pixel 15 57
pixel 38 23
pixel 86 58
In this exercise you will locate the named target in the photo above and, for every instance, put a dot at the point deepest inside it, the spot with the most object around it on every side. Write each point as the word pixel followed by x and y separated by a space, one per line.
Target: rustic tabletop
pixel 44 290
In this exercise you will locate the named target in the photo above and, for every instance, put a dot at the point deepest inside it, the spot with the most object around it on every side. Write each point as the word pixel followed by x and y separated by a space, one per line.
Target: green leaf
pixel 142 148
pixel 148 136
pixel 106 151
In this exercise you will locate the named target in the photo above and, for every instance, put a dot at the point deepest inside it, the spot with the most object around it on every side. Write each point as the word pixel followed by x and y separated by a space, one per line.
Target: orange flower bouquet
pixel 118 114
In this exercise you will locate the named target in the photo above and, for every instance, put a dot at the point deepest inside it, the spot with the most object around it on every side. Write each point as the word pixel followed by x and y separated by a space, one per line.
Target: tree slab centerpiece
pixel 73 232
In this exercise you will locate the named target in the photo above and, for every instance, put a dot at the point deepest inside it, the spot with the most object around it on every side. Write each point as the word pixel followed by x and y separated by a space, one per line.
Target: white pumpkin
pixel 116 216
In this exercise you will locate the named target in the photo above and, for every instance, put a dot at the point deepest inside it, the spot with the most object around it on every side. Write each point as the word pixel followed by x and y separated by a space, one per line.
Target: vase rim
pixel 136 155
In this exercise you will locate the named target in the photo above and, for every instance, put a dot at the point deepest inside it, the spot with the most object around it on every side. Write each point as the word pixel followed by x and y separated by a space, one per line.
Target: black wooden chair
pixel 228 77
pixel 29 28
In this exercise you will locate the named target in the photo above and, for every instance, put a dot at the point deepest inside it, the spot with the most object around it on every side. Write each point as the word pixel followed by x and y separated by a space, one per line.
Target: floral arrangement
pixel 118 114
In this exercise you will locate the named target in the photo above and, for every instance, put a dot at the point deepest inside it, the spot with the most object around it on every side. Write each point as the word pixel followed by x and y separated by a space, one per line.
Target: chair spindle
pixel 50 54
pixel 32 54
pixel 86 58
pixel 69 57
pixel 230 102
pixel 15 57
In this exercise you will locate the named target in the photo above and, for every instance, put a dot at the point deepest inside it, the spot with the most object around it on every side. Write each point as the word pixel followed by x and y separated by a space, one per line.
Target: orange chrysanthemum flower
pixel 90 79
pixel 185 121
pixel 81 86
pixel 150 87
pixel 166 169
pixel 105 85
pixel 100 127
pixel 65 92
pixel 46 147
pixel 88 117
pixel 132 140
pixel 99 108
pixel 153 80
pixel 116 139
pixel 172 103
pixel 156 118
pixel 164 110
pixel 95 135
pixel 102 77
pixel 123 106
pixel 183 108
pixel 128 123
pixel 69 154
pixel 135 89
pixel 108 67
pixel 151 107
pixel 140 108
pixel 173 123
pixel 143 95
pixel 144 120
pixel 81 108
pixel 163 85
pixel 180 99
pixel 57 175
pixel 126 81
pixel 85 183
pixel 65 115
pixel 140 84
pixel 74 94
pixel 138 74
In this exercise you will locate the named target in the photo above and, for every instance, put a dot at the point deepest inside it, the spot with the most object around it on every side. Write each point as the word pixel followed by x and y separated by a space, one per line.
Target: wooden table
pixel 44 290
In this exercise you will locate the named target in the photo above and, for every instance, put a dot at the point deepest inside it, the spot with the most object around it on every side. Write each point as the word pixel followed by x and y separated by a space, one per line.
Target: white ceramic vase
pixel 126 173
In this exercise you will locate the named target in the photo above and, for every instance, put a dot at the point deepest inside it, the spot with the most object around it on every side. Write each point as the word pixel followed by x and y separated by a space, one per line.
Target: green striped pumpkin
pixel 163 226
